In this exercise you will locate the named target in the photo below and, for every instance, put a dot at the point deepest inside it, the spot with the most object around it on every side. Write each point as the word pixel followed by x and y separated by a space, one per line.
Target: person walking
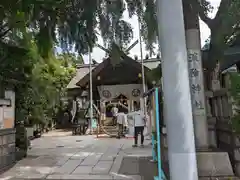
pixel 139 124
pixel 114 114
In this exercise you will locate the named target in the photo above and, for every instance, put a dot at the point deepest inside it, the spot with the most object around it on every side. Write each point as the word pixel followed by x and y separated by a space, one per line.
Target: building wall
pixel 7 130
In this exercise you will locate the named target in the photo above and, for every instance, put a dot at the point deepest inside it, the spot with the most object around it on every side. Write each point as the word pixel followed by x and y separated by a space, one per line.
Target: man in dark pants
pixel 139 123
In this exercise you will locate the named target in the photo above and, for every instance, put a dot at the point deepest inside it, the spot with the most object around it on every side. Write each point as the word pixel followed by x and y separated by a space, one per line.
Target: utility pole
pixel 91 89
pixel 196 77
pixel 176 91
pixel 142 65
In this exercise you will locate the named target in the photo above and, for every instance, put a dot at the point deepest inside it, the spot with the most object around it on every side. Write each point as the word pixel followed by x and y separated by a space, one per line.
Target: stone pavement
pixel 75 157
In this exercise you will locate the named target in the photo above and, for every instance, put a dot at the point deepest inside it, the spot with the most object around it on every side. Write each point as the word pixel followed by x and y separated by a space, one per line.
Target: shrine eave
pixel 103 65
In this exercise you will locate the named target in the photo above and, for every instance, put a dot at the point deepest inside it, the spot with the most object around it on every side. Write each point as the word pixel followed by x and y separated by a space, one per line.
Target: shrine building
pixel 121 82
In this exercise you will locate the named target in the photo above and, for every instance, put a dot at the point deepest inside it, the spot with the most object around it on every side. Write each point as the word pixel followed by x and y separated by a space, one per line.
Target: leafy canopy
pixel 74 24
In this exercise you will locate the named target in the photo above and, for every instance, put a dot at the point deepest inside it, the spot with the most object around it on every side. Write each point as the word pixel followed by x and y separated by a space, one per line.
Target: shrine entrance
pixel 123 96
pixel 120 102
pixel 119 84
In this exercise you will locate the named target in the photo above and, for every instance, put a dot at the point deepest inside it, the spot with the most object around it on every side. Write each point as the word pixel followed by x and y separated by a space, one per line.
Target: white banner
pixel 131 91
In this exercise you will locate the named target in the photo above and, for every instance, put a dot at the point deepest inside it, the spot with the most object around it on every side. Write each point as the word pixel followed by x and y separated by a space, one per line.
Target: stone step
pixel 109 130
pixel 94 177
pixel 219 178
pixel 111 177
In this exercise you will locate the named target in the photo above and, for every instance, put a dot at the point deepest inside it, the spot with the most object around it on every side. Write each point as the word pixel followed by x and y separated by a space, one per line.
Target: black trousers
pixel 81 129
pixel 138 130
pixel 120 129
pixel 114 120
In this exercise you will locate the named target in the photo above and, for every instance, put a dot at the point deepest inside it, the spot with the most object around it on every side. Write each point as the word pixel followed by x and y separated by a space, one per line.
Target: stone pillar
pixel 129 105
pixel 215 83
pixel 197 88
pixel 193 43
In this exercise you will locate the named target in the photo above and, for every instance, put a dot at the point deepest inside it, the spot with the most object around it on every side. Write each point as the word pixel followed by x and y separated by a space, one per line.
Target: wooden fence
pixel 221 134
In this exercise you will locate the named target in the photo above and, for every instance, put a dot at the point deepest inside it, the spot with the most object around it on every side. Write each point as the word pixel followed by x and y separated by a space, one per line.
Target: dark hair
pixel 136 105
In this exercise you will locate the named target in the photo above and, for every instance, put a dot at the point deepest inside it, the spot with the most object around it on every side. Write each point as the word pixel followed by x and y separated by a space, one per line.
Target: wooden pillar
pixel 129 105
pixel 219 106
pixel 208 108
pixel 225 107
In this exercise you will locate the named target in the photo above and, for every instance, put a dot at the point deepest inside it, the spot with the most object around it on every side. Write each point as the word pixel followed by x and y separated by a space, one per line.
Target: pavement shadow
pixel 141 166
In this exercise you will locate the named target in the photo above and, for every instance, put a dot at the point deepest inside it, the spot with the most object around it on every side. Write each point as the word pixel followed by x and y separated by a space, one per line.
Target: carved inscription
pixel 197 91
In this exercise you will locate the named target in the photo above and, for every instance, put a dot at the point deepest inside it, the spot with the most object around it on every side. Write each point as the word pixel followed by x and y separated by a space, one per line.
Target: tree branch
pixel 3 26
pixel 202 13
pixel 2 34
pixel 224 5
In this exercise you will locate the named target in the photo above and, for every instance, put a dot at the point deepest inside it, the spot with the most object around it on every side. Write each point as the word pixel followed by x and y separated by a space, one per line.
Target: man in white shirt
pixel 139 123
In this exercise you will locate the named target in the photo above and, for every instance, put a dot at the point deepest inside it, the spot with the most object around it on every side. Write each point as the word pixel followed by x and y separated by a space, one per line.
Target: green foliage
pixel 224 27
pixel 155 74
pixel 146 12
pixel 21 141
pixel 46 89
pixel 235 93
pixel 70 59
pixel 39 83
pixel 76 24
pixel 71 24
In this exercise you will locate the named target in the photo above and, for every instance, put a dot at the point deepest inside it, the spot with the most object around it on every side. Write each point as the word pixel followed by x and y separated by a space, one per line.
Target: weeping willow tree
pixel 74 25
pixel 145 10
pixel 224 26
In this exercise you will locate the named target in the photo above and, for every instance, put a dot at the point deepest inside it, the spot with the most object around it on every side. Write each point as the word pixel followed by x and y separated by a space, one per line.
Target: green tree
pixel 72 24
pixel 70 59
pixel 39 82
pixel 235 93
pixel 224 27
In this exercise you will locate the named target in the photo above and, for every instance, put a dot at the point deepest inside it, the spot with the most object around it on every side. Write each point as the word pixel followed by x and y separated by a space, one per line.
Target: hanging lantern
pixel 98 78
pixel 139 75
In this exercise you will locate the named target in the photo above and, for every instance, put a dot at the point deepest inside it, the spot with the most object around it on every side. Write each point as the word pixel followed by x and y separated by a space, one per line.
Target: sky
pixel 99 54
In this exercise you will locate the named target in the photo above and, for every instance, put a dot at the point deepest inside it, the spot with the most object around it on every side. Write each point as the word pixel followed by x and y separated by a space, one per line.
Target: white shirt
pixel 138 117
pixel 122 119
pixel 114 111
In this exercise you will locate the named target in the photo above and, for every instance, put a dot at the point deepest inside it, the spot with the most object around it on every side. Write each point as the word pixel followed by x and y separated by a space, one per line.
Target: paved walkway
pixel 75 157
